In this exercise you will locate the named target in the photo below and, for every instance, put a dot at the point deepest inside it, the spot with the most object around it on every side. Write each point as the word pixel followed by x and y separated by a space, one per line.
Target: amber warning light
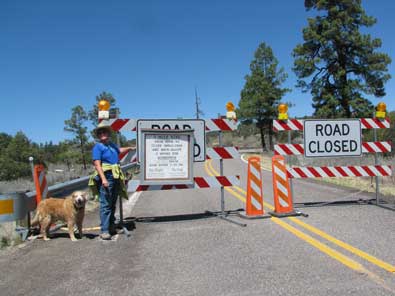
pixel 282 112
pixel 381 110
pixel 230 108
pixel 104 107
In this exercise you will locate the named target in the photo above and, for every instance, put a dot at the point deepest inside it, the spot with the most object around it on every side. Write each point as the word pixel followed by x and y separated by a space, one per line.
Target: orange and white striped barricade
pixel 283 204
pixel 40 182
pixel 376 170
pixel 254 199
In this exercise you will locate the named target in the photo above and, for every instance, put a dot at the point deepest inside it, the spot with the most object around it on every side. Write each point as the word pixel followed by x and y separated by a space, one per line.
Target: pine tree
pixel 337 63
pixel 262 92
pixel 76 126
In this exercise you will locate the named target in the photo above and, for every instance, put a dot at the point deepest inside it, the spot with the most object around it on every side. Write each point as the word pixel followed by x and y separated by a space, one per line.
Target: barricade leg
pixel 283 204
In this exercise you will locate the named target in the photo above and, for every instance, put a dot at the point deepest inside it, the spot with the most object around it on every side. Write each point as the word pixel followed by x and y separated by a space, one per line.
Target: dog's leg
pixel 70 226
pixel 45 225
pixel 80 219
pixel 79 225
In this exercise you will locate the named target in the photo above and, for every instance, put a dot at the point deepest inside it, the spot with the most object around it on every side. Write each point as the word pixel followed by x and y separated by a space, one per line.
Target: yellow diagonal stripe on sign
pixel 6 207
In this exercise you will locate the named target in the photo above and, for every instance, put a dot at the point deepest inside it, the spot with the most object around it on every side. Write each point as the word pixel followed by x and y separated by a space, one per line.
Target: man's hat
pixel 104 125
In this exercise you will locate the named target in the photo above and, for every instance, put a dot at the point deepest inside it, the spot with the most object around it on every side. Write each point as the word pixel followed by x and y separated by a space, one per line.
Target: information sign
pixel 167 157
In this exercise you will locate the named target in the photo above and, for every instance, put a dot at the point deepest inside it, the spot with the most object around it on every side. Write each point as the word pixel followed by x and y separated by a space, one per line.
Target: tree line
pixel 16 150
pixel 336 63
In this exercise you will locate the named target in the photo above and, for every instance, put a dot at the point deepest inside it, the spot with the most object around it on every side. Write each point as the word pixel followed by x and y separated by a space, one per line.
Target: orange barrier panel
pixel 40 182
pixel 254 200
pixel 283 205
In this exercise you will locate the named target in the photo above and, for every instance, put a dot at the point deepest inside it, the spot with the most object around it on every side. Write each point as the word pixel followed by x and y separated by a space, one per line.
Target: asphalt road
pixel 347 250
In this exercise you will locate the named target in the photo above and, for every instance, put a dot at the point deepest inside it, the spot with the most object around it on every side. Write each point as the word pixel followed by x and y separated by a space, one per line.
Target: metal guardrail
pixel 66 187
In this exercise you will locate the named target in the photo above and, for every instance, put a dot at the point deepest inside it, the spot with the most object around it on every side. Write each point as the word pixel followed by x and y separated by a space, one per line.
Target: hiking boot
pixel 105 236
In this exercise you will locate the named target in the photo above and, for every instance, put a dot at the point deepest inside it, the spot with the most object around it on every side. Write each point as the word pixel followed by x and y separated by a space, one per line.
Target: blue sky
pixel 149 54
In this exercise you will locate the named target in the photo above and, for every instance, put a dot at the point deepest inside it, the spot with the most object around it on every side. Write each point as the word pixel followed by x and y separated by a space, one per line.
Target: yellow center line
pixel 320 246
pixel 386 266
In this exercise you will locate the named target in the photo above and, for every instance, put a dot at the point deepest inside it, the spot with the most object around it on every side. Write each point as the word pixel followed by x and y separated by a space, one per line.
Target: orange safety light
pixel 231 114
pixel 104 107
pixel 381 110
pixel 282 111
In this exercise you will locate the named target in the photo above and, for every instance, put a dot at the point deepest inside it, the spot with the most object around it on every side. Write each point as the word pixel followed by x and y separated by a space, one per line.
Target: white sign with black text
pixel 197 125
pixel 332 138
pixel 167 157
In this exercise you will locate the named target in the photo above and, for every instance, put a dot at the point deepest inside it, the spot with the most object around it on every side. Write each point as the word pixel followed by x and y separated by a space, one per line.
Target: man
pixel 108 178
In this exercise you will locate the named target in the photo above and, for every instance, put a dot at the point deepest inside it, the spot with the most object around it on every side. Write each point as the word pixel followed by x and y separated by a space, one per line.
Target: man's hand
pixel 105 183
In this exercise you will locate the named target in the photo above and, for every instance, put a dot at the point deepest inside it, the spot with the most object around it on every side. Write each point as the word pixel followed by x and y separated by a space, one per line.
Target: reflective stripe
pixel 255 172
pixel 256 188
pixel 256 203
pixel 6 207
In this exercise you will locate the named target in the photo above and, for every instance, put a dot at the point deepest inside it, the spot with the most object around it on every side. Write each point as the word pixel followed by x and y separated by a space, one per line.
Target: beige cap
pixel 103 125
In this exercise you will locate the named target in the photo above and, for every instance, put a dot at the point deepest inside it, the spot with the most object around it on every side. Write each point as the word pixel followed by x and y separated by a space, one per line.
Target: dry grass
pixel 56 173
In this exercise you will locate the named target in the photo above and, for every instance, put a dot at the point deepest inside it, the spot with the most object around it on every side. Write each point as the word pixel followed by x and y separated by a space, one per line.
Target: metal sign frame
pixel 167 181
pixel 337 154
pixel 197 125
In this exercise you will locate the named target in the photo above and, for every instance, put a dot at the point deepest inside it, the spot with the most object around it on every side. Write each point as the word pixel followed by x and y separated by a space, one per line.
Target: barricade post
pixel 40 182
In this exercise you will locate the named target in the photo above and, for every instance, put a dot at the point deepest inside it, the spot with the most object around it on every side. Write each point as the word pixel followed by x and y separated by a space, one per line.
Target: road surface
pixel 347 250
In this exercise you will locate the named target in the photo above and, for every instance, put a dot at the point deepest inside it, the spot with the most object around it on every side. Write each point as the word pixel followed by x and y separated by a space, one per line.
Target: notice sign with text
pixel 167 158
pixel 332 138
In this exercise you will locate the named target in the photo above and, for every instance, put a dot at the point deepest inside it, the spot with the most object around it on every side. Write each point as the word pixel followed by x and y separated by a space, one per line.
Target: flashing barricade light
pixel 282 112
pixel 230 108
pixel 381 110
pixel 104 107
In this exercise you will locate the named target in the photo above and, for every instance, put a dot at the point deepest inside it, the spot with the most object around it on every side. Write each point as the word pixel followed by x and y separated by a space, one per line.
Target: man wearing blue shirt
pixel 105 155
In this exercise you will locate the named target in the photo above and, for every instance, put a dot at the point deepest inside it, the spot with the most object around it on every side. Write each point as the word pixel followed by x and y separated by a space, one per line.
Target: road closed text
pixel 331 138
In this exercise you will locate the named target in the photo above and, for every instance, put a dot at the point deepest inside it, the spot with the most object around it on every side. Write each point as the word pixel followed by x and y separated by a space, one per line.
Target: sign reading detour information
pixel 197 125
pixel 167 157
pixel 332 138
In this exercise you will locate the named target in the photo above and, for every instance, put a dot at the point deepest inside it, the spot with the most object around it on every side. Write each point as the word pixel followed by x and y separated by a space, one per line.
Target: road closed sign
pixel 332 138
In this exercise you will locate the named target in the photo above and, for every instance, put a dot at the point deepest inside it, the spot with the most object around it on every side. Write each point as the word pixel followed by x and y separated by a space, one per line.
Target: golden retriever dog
pixel 71 210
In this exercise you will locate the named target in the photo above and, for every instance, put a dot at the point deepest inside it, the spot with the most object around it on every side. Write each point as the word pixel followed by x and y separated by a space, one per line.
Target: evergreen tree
pixel 14 161
pixel 93 113
pixel 262 92
pixel 337 63
pixel 76 126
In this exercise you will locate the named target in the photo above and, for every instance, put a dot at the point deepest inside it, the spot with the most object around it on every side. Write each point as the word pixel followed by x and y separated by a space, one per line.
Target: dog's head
pixel 79 199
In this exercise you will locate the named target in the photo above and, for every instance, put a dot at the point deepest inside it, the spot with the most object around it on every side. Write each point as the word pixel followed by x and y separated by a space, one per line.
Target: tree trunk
pixel 83 153
pixel 271 147
pixel 261 129
pixel 344 92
